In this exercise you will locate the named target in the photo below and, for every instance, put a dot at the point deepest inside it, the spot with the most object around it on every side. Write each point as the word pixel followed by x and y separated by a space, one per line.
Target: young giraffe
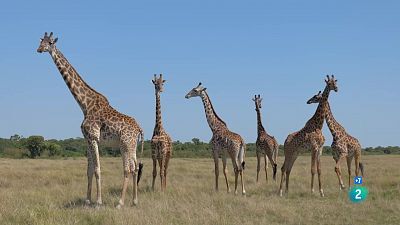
pixel 343 145
pixel 266 145
pixel 100 121
pixel 310 137
pixel 161 142
pixel 223 140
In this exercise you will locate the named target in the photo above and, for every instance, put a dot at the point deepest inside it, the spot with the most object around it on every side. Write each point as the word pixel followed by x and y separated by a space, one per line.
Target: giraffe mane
pixel 212 108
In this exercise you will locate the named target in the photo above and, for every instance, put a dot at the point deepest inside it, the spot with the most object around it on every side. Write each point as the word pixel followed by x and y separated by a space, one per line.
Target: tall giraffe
pixel 101 121
pixel 343 145
pixel 223 140
pixel 309 137
pixel 266 145
pixel 161 142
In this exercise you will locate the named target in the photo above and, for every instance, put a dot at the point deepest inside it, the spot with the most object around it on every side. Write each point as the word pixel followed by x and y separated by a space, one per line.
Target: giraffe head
pixel 316 98
pixel 196 91
pixel 47 43
pixel 257 100
pixel 331 83
pixel 158 83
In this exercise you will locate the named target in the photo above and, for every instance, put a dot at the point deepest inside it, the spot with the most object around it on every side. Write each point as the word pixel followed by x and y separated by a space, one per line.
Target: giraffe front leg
pixel 321 191
pixel 339 173
pixel 90 173
pixel 154 172
pixel 216 170
pixel 349 159
pixel 97 169
pixel 313 169
pixel 258 165
pixel 266 168
pixel 168 156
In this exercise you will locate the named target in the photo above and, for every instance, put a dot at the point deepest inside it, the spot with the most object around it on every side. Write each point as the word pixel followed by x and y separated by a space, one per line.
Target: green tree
pixel 196 141
pixel 35 145
pixel 54 149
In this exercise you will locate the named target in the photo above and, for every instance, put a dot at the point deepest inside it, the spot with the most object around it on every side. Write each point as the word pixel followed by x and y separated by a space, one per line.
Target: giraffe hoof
pixel 312 191
pixel 280 193
pixel 243 192
pixel 229 191
pixel 135 202
pixel 119 206
pixel 322 193
pixel 87 202
pixel 98 206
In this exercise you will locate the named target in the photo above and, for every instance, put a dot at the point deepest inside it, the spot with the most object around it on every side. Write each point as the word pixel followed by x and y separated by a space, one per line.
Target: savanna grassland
pixel 44 191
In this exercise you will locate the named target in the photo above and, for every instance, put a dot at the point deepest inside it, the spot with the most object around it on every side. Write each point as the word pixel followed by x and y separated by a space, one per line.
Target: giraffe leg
pixel 258 165
pixel 357 162
pixel 216 169
pixel 283 171
pixel 162 171
pixel 241 181
pixel 154 172
pixel 225 171
pixel 271 159
pixel 321 191
pixel 266 168
pixel 338 171
pixel 168 156
pixel 349 159
pixel 125 162
pixel 90 173
pixel 134 170
pixel 97 170
pixel 161 165
pixel 289 169
pixel 313 168
pixel 236 178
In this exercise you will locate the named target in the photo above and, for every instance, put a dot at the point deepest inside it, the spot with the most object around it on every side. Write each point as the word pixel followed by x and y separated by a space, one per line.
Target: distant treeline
pixel 36 146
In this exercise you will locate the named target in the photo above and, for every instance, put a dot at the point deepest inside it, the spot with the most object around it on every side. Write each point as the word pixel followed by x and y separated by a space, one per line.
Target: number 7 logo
pixel 358 180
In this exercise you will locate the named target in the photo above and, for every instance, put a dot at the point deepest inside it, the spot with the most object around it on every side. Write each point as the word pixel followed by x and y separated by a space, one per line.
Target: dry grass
pixel 52 192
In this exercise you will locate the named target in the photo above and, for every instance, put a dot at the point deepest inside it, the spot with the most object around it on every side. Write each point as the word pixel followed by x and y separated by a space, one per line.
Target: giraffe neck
pixel 260 127
pixel 158 127
pixel 333 125
pixel 213 119
pixel 317 121
pixel 82 92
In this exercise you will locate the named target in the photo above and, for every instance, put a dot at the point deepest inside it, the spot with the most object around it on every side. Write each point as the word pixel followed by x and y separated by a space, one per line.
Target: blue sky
pixel 279 49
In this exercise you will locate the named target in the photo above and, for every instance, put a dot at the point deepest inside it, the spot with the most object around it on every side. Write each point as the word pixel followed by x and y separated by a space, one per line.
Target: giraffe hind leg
pixel 90 173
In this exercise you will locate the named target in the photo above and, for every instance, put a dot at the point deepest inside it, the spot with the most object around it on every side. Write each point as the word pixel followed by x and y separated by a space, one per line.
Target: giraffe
pixel 266 145
pixel 343 145
pixel 101 121
pixel 223 141
pixel 161 142
pixel 309 137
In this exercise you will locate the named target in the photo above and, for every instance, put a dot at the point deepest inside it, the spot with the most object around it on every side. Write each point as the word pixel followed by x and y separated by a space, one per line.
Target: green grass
pixel 52 192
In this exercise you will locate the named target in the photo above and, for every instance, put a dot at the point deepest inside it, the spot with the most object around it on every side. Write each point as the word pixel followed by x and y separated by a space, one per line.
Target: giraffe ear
pixel 253 99
pixel 164 81
pixel 55 40
pixel 204 89
pixel 153 81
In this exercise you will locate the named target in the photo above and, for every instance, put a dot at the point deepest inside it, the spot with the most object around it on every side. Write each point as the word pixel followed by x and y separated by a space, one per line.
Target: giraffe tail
pixel 361 168
pixel 141 156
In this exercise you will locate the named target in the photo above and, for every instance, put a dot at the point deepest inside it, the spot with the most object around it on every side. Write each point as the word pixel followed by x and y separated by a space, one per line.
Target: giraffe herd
pixel 102 121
